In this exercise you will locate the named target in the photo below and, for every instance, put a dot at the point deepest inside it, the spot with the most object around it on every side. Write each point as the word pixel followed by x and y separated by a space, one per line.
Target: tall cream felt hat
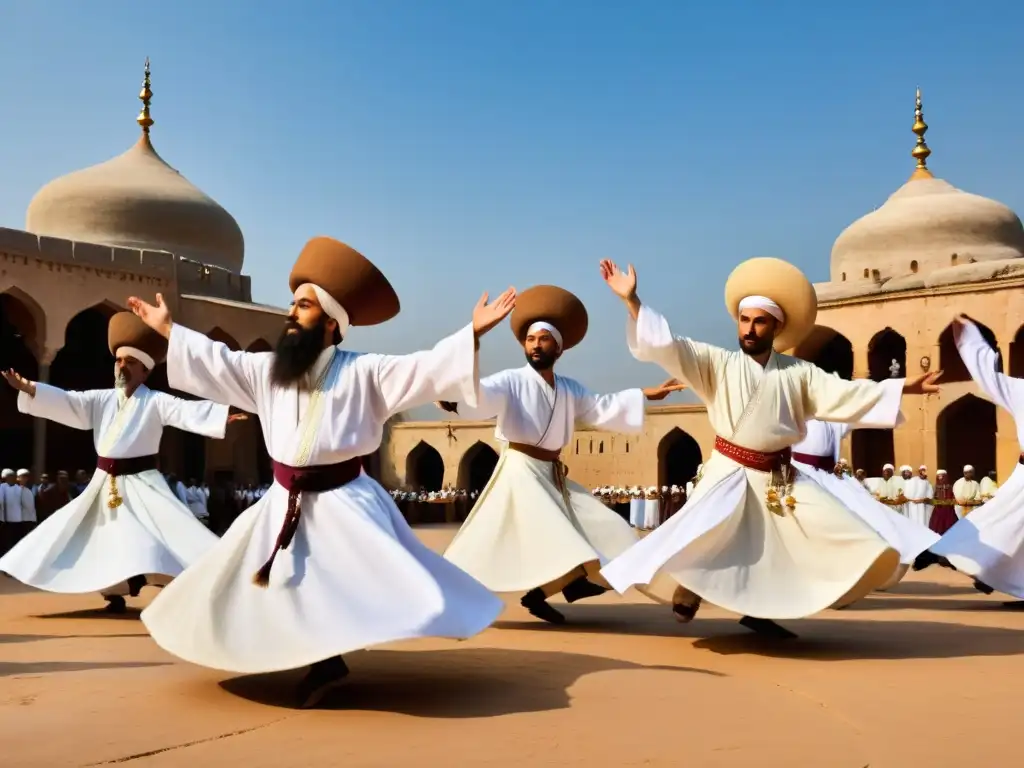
pixel 784 284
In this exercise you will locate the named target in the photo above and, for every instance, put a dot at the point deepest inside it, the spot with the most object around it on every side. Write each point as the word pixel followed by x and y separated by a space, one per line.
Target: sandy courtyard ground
pixel 928 675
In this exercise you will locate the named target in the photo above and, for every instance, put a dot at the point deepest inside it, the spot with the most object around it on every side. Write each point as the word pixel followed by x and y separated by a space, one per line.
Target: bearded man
pixel 126 523
pixel 758 537
pixel 532 529
pixel 323 563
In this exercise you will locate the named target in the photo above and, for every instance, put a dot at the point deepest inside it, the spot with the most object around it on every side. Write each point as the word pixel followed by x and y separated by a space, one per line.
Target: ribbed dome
pixel 137 200
pixel 921 227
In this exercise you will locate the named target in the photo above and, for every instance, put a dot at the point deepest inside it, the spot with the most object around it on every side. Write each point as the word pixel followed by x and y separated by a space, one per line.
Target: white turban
pixel 7 473
pixel 905 468
pixel 940 472
pixel 540 325
pixel 331 308
pixel 138 354
pixel 968 468
pixel 765 304
pixel 888 466
pixel 22 472
pixel 923 466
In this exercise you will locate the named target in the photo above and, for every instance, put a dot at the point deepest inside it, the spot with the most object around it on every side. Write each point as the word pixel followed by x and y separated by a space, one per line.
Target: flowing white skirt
pixel 521 535
pixel 726 546
pixel 988 544
pixel 354 576
pixel 87 547
pixel 652 513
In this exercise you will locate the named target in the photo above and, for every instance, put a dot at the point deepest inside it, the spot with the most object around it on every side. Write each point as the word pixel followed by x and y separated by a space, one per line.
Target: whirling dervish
pixel 758 537
pixel 988 544
pixel 126 528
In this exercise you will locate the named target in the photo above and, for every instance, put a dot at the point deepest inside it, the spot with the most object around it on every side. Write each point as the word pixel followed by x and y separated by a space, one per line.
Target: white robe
pixel 636 512
pixel 987 488
pixel 966 490
pixel 197 502
pixel 919 488
pixel 85 546
pixel 354 575
pixel 523 531
pixel 909 538
pixel 988 544
pixel 652 514
pixel 725 545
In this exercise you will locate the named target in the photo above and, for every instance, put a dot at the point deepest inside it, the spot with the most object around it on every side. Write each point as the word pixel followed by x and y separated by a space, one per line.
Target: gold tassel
pixel 115 499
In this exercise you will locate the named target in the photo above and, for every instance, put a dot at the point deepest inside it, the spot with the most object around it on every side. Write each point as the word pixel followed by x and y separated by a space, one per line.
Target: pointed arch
pixel 829 350
pixel 950 363
pixel 1017 354
pixel 871 449
pixel 886 348
pixel 259 345
pixel 966 434
pixel 18 332
pixel 679 457
pixel 424 467
pixel 476 466
pixel 219 334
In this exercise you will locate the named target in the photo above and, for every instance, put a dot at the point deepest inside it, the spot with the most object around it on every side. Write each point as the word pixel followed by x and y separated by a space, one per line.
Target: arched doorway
pixel 18 335
pixel 1017 354
pixel 871 449
pixel 678 458
pixel 950 362
pixel 886 347
pixel 84 362
pixel 967 435
pixel 476 467
pixel 424 468
pixel 829 350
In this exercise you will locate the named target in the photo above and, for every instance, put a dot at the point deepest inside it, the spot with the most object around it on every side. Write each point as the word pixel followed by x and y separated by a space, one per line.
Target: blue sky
pixel 468 145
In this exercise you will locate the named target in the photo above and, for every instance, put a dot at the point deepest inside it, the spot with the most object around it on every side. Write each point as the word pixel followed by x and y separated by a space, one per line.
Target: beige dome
pixel 927 224
pixel 137 200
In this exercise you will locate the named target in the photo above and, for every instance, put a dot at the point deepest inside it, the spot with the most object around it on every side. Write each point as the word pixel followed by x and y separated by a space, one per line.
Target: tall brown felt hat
pixel 553 305
pixel 350 279
pixel 784 284
pixel 125 329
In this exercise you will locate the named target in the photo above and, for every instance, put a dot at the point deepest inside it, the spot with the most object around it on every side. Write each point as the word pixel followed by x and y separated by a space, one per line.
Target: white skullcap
pixel 844 462
pixel 906 468
pixel 765 304
pixel 664 488
pixel 968 468
pixel 22 472
pixel 7 473
pixel 540 325
pixel 331 308
pixel 923 466
pixel 138 354
pixel 888 466
pixel 941 472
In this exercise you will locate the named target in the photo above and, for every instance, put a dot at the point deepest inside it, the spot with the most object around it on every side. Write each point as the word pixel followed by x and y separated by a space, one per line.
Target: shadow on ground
pixel 839 638
pixel 11 669
pixel 457 683
pixel 4 639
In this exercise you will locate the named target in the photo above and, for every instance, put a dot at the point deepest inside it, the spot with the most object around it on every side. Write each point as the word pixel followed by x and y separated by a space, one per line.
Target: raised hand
pixel 486 316
pixel 623 284
pixel 19 382
pixel 156 317
pixel 664 389
pixel 922 385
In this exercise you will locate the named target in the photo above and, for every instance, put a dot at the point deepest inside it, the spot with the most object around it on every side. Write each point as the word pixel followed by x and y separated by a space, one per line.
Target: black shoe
pixel 925 559
pixel 135 585
pixel 982 587
pixel 684 613
pixel 1014 605
pixel 535 602
pixel 318 682
pixel 582 588
pixel 116 604
pixel 767 627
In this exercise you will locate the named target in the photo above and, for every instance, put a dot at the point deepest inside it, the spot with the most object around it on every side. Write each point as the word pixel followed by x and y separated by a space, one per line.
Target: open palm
pixel 157 317
pixel 486 316
pixel 623 284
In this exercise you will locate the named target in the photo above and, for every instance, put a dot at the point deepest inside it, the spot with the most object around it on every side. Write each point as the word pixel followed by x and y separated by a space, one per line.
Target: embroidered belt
pixel 756 460
pixel 826 463
pixel 299 480
pixel 120 467
pixel 542 454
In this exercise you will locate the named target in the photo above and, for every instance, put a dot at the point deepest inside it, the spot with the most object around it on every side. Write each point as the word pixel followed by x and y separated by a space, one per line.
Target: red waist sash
pixel 133 466
pixel 299 480
pixel 757 460
pixel 826 463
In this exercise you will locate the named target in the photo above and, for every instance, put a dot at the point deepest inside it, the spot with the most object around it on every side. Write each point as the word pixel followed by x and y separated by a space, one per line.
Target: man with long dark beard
pixel 126 523
pixel 323 563
pixel 568 534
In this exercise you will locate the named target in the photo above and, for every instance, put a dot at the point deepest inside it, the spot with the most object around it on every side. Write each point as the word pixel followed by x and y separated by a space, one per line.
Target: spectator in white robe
pixel 967 492
pixel 345 571
pixel 636 508
pixel 988 486
pixel 919 493
pixel 879 486
pixel 652 508
pixel 196 499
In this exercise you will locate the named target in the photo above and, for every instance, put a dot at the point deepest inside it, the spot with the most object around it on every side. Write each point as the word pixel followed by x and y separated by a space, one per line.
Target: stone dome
pixel 925 225
pixel 137 200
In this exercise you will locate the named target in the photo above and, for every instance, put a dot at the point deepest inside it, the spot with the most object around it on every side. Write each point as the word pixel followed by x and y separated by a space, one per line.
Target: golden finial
pixel 144 96
pixel 920 151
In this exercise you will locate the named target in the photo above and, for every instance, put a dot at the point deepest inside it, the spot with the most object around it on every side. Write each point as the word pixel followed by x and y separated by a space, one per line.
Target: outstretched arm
pixel 867 404
pixel 72 409
pixel 490 403
pixel 651 340
pixel 448 372
pixel 200 366
pixel 982 361
pixel 620 411
pixel 200 417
